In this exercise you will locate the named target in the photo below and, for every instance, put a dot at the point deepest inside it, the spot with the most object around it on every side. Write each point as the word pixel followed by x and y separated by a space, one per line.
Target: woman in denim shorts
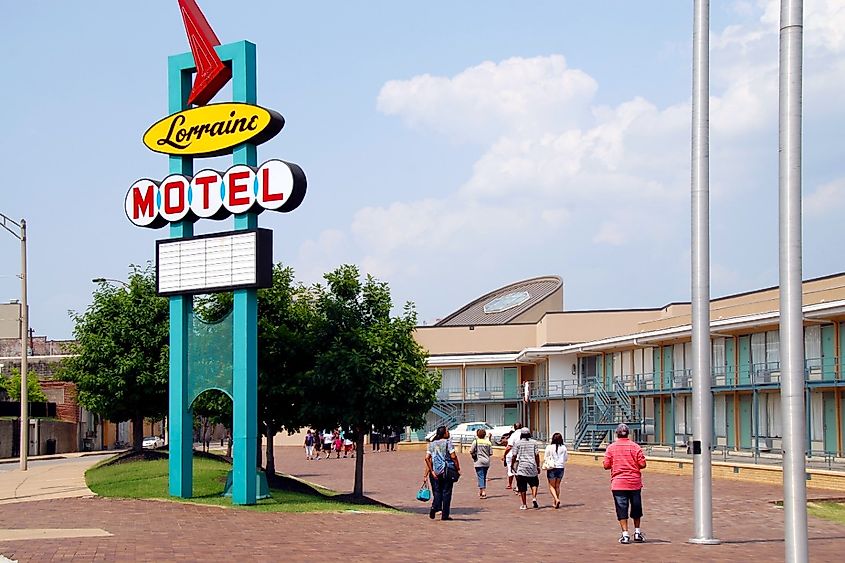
pixel 557 455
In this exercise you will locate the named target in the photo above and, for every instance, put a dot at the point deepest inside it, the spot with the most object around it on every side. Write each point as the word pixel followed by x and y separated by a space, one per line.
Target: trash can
pixel 50 446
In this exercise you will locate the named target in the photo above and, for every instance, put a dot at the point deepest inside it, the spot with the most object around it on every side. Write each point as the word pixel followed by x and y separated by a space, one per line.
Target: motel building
pixel 517 354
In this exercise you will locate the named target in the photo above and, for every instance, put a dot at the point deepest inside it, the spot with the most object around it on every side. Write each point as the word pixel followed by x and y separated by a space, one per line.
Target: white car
pixel 153 442
pixel 463 432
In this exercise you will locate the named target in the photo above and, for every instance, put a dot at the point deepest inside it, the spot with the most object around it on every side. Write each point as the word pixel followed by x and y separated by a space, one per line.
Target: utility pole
pixel 24 333
pixel 702 398
pixel 791 316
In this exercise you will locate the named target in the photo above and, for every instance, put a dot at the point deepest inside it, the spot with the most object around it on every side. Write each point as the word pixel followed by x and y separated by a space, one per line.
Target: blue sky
pixel 450 147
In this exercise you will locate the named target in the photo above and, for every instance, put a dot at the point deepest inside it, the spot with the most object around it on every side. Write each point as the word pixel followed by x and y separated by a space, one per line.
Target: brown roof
pixel 504 304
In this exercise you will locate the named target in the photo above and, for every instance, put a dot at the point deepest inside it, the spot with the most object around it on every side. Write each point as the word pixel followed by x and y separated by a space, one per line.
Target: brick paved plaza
pixel 745 519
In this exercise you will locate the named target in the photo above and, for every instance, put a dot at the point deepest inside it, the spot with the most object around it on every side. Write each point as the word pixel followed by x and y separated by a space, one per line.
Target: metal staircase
pixel 602 411
pixel 448 414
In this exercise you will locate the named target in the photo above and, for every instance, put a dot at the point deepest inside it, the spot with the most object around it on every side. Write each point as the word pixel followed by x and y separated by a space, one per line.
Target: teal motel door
pixel 745 419
pixel 730 421
pixel 511 386
pixel 511 415
pixel 831 438
pixel 828 352
pixel 744 360
pixel 730 360
pixel 667 367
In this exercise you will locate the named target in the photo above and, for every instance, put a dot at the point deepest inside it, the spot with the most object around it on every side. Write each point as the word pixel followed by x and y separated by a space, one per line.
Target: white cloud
pixel 526 95
pixel 559 172
pixel 828 199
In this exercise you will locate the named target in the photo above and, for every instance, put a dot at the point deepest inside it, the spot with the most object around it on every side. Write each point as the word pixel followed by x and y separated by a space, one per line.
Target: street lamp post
pixel 21 235
pixel 104 280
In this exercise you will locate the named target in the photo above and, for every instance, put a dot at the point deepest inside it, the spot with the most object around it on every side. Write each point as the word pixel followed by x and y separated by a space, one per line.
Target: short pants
pixel 556 473
pixel 622 499
pixel 523 482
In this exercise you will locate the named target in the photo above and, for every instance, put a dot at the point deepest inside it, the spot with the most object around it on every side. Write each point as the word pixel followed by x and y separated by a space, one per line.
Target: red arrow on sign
pixel 212 74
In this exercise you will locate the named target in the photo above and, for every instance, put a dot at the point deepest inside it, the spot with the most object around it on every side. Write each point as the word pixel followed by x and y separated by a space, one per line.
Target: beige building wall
pixel 552 303
pixel 481 339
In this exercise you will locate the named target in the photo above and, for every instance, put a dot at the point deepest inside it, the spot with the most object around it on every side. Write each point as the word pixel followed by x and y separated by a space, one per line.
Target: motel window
pixel 678 357
pixel 451 379
pixel 719 356
pixel 617 365
pixel 772 349
pixel 758 348
pixel 485 379
pixel 587 368
pixel 719 421
pixel 495 415
pixel 773 419
pixel 813 345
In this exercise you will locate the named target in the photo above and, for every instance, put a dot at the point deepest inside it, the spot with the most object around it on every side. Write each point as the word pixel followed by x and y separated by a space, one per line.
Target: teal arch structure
pixel 180 68
pixel 210 356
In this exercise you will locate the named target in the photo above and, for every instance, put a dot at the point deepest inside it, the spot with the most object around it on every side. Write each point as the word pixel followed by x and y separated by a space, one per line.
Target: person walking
pixel 439 454
pixel 309 445
pixel 512 440
pixel 555 458
pixel 375 439
pixel 338 444
pixel 328 438
pixel 625 460
pixel 526 467
pixel 481 452
pixel 318 444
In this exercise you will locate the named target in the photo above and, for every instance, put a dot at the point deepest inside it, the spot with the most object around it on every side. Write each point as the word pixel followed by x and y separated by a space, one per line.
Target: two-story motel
pixel 587 370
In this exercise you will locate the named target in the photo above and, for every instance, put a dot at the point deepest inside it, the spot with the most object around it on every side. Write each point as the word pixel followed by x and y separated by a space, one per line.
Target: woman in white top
pixel 554 462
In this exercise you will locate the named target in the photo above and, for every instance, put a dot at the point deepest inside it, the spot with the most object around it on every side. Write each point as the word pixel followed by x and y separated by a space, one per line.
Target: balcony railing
pixel 816 370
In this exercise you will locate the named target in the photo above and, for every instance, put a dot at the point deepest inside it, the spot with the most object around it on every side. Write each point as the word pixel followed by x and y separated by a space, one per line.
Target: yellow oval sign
pixel 213 130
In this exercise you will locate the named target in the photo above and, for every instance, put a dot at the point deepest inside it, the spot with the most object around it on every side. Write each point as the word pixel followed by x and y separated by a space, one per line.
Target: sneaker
pixel 523 507
pixel 535 503
pixel 624 539
pixel 639 537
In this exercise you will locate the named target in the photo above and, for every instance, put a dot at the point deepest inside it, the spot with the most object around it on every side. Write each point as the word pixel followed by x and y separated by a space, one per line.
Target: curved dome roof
pixel 505 304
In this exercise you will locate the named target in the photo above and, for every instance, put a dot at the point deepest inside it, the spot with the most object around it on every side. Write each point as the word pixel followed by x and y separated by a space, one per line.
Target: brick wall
pixel 39 345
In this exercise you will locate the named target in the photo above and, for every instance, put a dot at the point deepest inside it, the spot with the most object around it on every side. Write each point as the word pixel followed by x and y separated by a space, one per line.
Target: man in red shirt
pixel 626 460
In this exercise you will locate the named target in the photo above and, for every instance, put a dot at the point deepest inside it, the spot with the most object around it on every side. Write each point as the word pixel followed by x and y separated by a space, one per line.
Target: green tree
pixel 211 408
pixel 120 366
pixel 286 321
pixel 371 371
pixel 286 317
pixel 12 385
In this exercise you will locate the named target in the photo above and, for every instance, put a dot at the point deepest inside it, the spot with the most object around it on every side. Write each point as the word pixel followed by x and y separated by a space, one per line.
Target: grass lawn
pixel 148 480
pixel 833 511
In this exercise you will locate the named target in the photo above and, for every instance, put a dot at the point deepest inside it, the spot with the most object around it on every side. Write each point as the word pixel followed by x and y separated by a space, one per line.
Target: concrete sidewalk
pixel 47 477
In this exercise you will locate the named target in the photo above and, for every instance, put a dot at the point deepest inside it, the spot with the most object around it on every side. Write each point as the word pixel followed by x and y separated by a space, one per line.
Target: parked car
pixel 463 432
pixel 153 442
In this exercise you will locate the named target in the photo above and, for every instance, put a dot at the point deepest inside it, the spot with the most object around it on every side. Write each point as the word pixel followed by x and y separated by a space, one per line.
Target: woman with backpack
pixel 442 468
pixel 481 452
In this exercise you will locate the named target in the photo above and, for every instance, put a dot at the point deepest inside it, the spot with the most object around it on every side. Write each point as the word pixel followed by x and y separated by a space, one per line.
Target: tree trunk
pixel 358 491
pixel 270 467
pixel 138 433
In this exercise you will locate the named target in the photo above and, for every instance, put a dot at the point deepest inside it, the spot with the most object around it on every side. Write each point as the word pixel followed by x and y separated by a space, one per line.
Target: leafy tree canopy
pixel 12 385
pixel 120 365
pixel 370 371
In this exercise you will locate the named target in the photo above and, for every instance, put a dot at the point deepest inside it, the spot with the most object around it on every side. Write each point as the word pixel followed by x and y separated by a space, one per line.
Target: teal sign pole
pixel 179 69
pixel 241 56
